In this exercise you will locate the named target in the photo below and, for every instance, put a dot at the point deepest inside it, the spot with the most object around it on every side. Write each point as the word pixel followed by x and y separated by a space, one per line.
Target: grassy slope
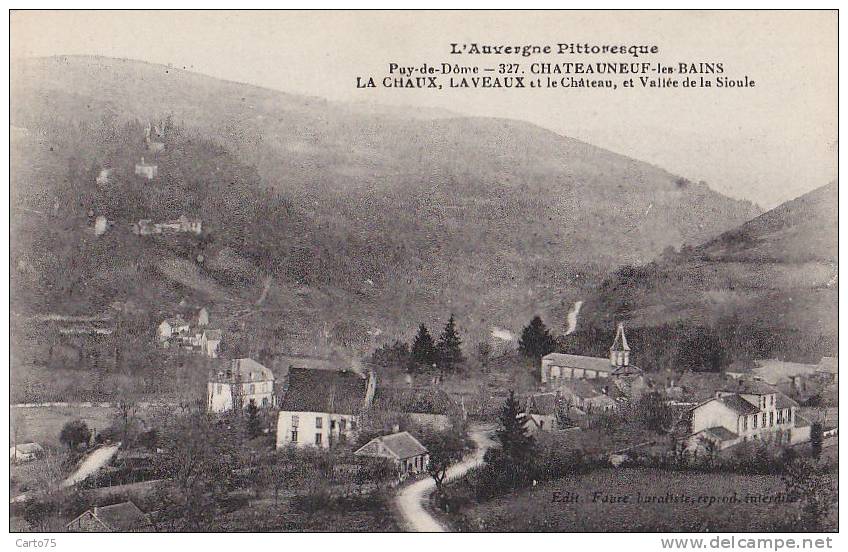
pixel 494 219
pixel 533 510
pixel 776 273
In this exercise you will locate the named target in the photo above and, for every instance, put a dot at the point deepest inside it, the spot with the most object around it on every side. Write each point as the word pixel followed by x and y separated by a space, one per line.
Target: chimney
pixel 395 428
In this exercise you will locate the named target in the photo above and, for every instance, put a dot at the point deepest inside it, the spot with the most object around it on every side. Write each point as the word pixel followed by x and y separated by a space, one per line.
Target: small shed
pixel 123 517
pixel 408 454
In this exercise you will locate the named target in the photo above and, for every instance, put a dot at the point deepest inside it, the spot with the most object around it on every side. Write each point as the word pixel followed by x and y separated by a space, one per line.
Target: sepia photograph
pixel 507 271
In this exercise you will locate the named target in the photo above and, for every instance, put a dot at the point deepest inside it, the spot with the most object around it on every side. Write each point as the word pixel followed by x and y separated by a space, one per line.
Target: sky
pixel 767 144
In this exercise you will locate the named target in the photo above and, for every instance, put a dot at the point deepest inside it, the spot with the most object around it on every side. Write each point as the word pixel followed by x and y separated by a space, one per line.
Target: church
pixel 559 368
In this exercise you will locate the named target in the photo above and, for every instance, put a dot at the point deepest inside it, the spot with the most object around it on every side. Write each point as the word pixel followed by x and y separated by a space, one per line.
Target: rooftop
pixel 245 369
pixel 124 516
pixel 578 361
pixel 337 392
pixel 400 445
pixel 720 433
pixel 738 404
pixel 543 404
pixel 415 401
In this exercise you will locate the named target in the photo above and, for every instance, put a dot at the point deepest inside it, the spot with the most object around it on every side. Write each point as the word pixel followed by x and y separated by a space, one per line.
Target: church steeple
pixel 620 351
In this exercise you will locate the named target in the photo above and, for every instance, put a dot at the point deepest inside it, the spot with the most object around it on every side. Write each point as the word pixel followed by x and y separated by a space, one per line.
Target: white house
pixel 751 411
pixel 407 453
pixel 146 170
pixel 558 367
pixel 103 177
pixel 210 342
pixel 171 328
pixel 323 407
pixel 239 382
pixel 203 317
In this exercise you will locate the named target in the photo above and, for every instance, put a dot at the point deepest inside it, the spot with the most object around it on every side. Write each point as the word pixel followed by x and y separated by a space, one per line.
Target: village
pixel 245 300
pixel 395 424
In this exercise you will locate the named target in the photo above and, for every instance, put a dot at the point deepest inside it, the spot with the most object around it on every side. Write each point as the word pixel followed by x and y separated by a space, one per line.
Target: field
pixel 43 424
pixel 613 501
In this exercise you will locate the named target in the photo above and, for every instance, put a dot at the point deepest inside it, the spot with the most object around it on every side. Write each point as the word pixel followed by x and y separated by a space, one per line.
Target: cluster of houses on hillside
pixel 728 409
pixel 176 331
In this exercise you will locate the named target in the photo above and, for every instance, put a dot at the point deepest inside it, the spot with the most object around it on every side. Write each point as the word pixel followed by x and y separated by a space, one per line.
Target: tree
pixel 816 438
pixel 516 443
pixel 423 348
pixel 254 423
pixel 484 351
pixel 448 349
pixel 656 414
pixel 74 433
pixel 536 340
pixel 200 461
pixel 444 451
pixel 812 490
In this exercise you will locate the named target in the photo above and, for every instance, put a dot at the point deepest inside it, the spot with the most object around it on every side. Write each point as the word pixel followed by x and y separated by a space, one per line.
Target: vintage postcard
pixel 424 271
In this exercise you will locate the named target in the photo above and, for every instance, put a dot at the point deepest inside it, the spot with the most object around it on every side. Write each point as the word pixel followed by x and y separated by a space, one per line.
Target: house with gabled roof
pixel 744 412
pixel 407 453
pixel 234 384
pixel 540 411
pixel 124 517
pixel 323 407
pixel 590 396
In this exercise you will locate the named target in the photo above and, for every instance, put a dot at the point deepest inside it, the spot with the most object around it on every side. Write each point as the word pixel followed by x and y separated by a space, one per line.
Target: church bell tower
pixel 620 352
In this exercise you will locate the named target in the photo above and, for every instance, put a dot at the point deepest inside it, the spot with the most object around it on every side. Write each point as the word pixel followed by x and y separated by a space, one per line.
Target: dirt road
pixel 410 500
pixel 91 464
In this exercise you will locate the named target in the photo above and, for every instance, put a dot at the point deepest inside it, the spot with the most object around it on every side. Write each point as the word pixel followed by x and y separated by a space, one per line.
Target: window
pixel 332 425
pixel 251 389
pixel 265 402
pixel 319 423
pixel 771 419
pixel 755 421
pixel 764 419
pixel 789 417
pixel 317 438
pixel 342 425
pixel 294 436
pixel 744 423
pixel 771 399
pixel 219 388
pixel 295 421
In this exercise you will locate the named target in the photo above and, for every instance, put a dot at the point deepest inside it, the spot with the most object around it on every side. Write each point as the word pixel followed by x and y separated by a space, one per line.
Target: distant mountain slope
pixel 394 218
pixel 767 288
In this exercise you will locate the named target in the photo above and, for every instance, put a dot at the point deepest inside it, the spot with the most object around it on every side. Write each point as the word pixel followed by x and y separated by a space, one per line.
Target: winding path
pixel 91 464
pixel 410 500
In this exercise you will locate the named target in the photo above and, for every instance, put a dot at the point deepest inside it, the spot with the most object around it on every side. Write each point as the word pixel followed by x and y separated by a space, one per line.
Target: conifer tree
pixel 423 348
pixel 536 340
pixel 449 351
pixel 517 444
